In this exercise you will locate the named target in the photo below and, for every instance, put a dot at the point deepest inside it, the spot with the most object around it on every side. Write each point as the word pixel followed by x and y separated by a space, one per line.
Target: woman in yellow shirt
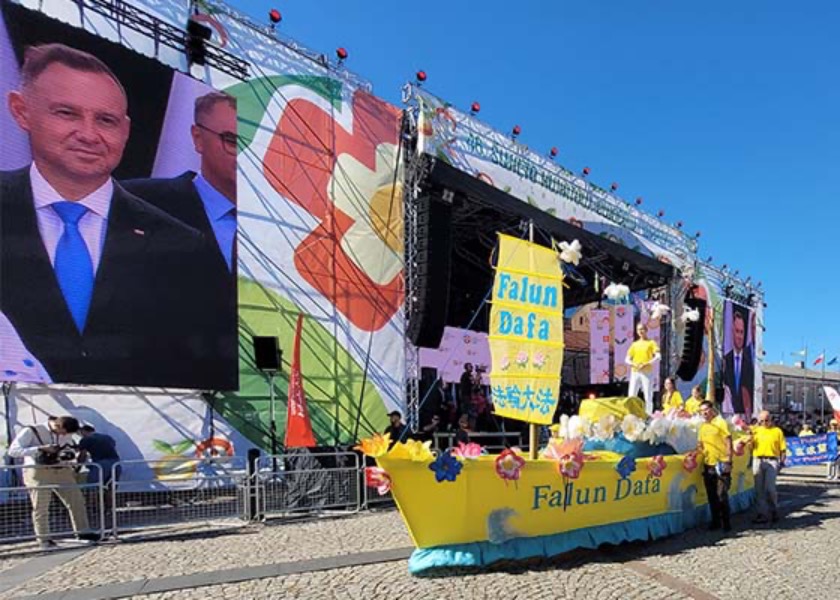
pixel 671 397
pixel 692 405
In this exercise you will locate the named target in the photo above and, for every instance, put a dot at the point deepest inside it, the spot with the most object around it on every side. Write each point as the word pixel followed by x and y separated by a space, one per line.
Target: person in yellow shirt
pixel 640 356
pixel 806 430
pixel 715 442
pixel 671 397
pixel 769 451
pixel 692 405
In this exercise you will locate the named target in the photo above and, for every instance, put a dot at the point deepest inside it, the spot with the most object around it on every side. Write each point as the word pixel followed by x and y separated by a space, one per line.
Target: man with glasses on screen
pixel 207 202
pixel 96 282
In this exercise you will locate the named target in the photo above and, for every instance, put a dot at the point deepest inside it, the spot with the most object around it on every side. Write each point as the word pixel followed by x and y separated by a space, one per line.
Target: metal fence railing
pixel 492 442
pixel 65 500
pixel 309 482
pixel 160 493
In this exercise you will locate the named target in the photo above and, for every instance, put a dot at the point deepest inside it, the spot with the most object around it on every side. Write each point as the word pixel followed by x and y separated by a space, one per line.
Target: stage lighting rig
pixel 421 77
pixel 515 131
pixel 586 171
pixel 475 108
pixel 553 152
pixel 274 18
pixel 613 187
pixel 342 54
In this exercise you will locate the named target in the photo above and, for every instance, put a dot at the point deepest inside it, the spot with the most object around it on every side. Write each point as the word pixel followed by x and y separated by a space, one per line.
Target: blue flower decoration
pixel 446 467
pixel 626 466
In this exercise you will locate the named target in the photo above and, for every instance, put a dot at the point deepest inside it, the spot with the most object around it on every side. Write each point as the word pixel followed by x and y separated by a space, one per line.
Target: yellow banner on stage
pixel 526 331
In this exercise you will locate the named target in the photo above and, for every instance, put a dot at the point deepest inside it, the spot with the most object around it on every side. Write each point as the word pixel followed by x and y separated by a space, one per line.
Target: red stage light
pixel 475 108
pixel 586 171
pixel 613 186
pixel 274 16
pixel 516 130
pixel 421 76
pixel 341 53
pixel 554 151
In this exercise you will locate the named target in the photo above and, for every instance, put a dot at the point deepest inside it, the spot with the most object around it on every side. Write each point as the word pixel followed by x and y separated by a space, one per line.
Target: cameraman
pixel 41 447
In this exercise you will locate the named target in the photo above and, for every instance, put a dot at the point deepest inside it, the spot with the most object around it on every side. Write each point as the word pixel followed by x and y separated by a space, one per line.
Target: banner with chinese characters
pixel 622 338
pixel 599 346
pixel 526 331
pixel 811 450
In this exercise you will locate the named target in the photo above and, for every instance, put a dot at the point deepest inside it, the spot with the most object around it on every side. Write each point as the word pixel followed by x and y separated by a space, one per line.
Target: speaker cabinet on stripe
pixel 434 256
pixel 693 341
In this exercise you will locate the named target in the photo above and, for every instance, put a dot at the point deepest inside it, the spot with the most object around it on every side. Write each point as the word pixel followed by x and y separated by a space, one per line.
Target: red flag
pixel 298 426
pixel 819 359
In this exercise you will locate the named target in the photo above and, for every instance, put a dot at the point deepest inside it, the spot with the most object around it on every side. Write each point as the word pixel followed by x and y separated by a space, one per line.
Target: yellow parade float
pixel 607 475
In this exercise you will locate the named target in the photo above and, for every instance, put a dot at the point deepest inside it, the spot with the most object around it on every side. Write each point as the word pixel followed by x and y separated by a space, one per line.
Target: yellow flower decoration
pixel 412 450
pixel 375 446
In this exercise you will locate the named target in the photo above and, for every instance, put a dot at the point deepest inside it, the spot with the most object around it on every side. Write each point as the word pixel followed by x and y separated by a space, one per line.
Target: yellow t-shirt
pixel 640 352
pixel 692 405
pixel 675 401
pixel 805 433
pixel 714 436
pixel 768 441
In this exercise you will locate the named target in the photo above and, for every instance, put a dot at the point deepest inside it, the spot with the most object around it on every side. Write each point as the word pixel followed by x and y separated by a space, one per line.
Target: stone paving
pixel 796 557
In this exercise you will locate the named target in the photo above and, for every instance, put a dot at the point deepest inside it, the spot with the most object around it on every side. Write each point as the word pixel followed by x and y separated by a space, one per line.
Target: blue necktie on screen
pixel 738 375
pixel 73 266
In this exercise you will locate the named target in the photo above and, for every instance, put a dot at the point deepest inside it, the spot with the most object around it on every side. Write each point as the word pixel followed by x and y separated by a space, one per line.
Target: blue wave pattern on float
pixel 481 554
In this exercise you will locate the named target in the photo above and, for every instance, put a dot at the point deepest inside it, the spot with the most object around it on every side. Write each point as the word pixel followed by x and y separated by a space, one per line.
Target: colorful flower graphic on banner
pixel 344 173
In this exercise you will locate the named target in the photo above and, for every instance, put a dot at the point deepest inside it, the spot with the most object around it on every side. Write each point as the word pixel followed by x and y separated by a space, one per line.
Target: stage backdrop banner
pixel 599 346
pixel 811 450
pixel 623 337
pixel 526 331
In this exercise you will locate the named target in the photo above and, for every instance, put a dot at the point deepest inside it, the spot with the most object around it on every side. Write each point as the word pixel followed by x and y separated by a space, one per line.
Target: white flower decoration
pixel 563 427
pixel 375 239
pixel 657 430
pixel 633 428
pixel 579 427
pixel 617 292
pixel 658 310
pixel 570 252
pixel 605 428
pixel 690 314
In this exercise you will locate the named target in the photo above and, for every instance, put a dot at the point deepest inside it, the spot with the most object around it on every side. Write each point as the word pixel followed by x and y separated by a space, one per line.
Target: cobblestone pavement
pixel 796 557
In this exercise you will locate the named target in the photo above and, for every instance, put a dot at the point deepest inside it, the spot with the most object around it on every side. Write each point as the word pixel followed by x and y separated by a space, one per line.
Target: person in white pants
pixel 640 356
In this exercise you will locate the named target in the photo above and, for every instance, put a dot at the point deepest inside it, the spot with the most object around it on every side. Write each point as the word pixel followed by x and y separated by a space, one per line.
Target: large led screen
pixel 117 215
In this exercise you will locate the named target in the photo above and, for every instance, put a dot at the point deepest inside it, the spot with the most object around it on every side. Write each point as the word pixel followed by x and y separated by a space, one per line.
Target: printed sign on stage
pixel 526 331
pixel 738 359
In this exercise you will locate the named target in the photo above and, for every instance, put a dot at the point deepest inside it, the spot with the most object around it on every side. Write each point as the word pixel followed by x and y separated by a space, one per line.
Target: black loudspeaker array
pixel 693 341
pixel 267 353
pixel 434 257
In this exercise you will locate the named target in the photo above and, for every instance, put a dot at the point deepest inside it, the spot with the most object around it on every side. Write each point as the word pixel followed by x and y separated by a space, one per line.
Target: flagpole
pixel 805 390
pixel 822 382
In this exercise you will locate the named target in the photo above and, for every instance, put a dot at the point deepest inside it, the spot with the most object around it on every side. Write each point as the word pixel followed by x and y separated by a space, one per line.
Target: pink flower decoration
pixel 690 461
pixel 469 451
pixel 571 465
pixel 377 477
pixel 505 363
pixel 656 466
pixel 522 358
pixel 539 360
pixel 509 464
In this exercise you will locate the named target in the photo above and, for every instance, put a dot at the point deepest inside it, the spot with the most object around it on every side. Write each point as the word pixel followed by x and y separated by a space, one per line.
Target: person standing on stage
pixel 640 356
pixel 769 450
pixel 715 442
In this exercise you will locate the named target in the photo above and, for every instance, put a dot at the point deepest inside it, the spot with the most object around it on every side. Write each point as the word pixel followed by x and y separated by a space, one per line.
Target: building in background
pixel 794 390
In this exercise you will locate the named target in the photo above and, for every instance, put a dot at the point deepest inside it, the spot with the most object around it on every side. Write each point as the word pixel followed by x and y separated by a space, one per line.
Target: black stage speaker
pixel 693 341
pixel 267 353
pixel 427 317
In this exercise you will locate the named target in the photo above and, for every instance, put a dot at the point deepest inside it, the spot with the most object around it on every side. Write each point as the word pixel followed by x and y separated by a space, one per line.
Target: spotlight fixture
pixel 613 186
pixel 678 224
pixel 553 152
pixel 697 235
pixel 274 17
pixel 586 171
pixel 660 213
pixel 421 77
pixel 709 259
pixel 342 54
pixel 195 42
pixel 475 108
pixel 639 201
pixel 516 131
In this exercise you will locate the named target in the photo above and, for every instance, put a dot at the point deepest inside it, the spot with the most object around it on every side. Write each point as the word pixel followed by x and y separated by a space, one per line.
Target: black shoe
pixel 89 537
pixel 775 517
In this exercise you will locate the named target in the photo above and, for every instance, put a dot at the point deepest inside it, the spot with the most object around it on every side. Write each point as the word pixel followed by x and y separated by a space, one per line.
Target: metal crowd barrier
pixel 162 493
pixel 493 442
pixel 309 482
pixel 16 517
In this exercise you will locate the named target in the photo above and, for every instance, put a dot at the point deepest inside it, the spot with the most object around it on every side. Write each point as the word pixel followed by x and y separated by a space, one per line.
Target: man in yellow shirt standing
pixel 715 442
pixel 769 451
pixel 640 356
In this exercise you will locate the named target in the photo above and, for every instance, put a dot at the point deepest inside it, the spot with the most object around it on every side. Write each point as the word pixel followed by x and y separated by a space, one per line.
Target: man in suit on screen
pixel 739 371
pixel 101 286
pixel 207 202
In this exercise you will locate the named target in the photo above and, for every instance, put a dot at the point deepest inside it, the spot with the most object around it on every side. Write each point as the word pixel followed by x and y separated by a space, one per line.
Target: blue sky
pixel 724 114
